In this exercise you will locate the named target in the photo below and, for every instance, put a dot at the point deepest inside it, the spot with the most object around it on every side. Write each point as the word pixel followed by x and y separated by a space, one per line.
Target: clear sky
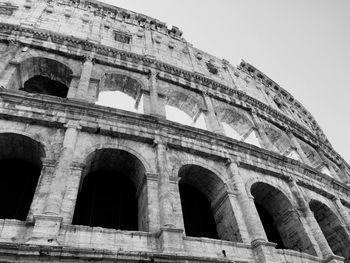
pixel 303 45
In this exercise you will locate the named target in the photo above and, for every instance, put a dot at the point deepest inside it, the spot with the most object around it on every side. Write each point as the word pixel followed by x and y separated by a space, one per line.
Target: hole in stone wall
pixel 175 114
pixel 45 85
pixel 18 183
pixel 107 197
pixel 270 230
pixel 198 218
pixel 332 229
pixel 20 167
pixel 280 220
pixel 120 100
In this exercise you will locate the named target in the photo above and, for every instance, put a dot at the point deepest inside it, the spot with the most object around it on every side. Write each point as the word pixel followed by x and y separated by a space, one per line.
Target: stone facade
pixel 58 56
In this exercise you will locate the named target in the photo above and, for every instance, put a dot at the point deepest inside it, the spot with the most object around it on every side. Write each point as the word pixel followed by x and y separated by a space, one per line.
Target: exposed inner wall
pixel 128 33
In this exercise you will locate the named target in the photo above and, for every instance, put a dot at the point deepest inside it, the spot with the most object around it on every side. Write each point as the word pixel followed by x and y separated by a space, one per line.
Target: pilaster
pixel 211 120
pixel 82 92
pixel 295 144
pixel 263 139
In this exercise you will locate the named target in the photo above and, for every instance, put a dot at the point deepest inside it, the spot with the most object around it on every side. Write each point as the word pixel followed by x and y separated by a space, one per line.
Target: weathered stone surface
pixel 290 180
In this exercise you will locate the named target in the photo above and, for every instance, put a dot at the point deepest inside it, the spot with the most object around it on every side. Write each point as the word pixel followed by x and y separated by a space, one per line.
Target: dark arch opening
pixel 206 208
pixel 45 85
pixel 332 229
pixel 44 76
pixel 281 222
pixel 270 229
pixel 107 197
pixel 20 166
pixel 198 218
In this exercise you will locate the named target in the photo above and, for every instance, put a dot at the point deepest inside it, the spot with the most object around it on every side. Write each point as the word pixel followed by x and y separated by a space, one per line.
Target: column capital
pixel 73 124
pixel 89 58
pixel 153 74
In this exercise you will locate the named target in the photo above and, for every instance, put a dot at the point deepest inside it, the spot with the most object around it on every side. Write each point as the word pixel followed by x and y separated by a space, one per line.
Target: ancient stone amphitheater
pixel 249 176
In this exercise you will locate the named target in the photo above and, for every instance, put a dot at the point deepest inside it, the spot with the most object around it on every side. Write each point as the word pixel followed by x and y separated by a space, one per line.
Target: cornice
pixel 78 48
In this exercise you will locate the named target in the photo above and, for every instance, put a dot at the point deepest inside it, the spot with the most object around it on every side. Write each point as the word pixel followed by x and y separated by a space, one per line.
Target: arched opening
pixel 184 108
pixel 280 220
pixel 121 92
pixel 20 165
pixel 45 76
pixel 238 125
pixel 108 192
pixel 334 232
pixel 206 208
pixel 175 114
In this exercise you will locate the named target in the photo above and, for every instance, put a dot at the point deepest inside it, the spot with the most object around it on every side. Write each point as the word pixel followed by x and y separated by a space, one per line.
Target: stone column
pixel 323 249
pixel 166 217
pixel 341 209
pixel 211 120
pixel 83 86
pixel 170 237
pixel 295 144
pixel 246 202
pixel 47 224
pixel 343 174
pixel 263 139
pixel 156 107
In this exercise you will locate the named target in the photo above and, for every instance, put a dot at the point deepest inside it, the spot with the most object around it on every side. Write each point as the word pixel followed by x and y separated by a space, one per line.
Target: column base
pixel 264 251
pixel 334 259
pixel 171 240
pixel 46 230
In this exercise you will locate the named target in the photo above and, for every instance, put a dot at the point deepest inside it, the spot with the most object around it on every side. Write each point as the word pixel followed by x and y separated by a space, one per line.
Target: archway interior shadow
pixel 107 197
pixel 107 200
pixel 18 182
pixel 198 218
pixel 45 85
pixel 281 221
pixel 332 229
pixel 20 166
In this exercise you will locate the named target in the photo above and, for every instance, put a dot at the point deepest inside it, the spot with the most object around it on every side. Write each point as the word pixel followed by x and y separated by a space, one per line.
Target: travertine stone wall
pixel 92 47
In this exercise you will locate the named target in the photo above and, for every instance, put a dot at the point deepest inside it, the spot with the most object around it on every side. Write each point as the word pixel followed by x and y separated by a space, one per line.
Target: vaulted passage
pixel 335 233
pixel 107 197
pixel 206 207
pixel 20 167
pixel 198 218
pixel 281 222
pixel 44 76
pixel 45 85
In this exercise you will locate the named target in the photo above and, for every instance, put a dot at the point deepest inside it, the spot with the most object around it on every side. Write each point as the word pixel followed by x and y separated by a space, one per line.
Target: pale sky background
pixel 303 45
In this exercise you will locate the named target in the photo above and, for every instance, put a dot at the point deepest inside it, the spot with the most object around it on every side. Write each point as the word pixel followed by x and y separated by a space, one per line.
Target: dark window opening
pixel 268 223
pixel 45 85
pixel 198 218
pixel 107 199
pixel 18 183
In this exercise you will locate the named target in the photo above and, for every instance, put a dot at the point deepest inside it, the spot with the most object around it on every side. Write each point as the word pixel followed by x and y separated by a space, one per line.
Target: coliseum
pixel 250 177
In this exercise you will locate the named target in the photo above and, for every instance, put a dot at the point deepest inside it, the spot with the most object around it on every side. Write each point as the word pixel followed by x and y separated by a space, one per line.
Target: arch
pixel 36 137
pixel 118 146
pixel 238 119
pixel 335 233
pixel 20 164
pixel 277 137
pixel 121 90
pixel 45 76
pixel 311 154
pixel 109 195
pixel 281 221
pixel 206 206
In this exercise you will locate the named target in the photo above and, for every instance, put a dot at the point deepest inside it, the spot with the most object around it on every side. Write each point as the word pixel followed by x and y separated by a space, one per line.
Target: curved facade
pixel 248 177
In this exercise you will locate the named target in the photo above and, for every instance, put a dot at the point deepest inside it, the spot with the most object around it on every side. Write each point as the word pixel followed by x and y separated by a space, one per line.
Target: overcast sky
pixel 303 45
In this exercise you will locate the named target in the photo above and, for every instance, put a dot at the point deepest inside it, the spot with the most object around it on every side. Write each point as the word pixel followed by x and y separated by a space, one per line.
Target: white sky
pixel 303 45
